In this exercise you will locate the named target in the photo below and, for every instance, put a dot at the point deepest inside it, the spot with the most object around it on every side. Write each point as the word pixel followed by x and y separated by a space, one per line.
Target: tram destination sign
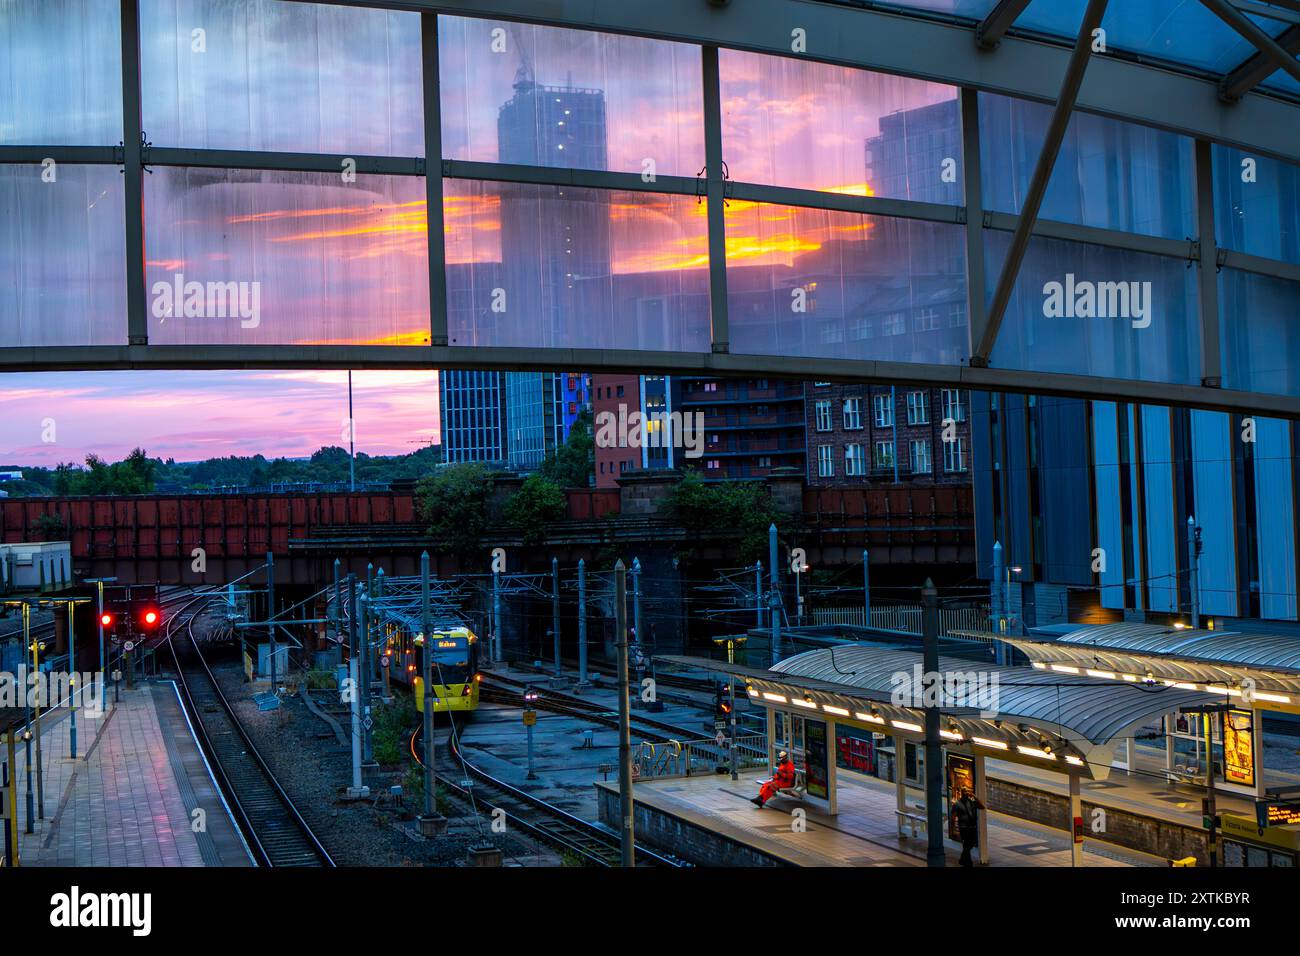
pixel 1278 813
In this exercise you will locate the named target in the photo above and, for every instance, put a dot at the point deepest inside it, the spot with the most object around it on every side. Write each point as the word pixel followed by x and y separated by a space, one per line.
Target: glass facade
pixel 1259 332
pixel 319 261
pixel 60 73
pixel 1081 309
pixel 62 256
pixel 558 266
pixel 819 283
pixel 1109 174
pixel 1257 204
pixel 541 251
pixel 281 76
pixel 791 122
pixel 545 96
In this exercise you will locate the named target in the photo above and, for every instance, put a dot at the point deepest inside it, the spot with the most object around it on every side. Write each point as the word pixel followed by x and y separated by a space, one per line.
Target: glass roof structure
pixel 790 188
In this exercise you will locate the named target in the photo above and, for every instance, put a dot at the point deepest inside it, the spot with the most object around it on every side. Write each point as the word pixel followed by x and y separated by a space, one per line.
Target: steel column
pixel 433 180
pixel 973 192
pixel 990 31
pixel 137 319
pixel 715 195
pixel 1258 38
pixel 1256 69
pixel 1207 269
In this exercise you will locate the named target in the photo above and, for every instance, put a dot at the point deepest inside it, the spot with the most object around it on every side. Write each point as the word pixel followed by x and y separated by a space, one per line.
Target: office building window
pixel 954 455
pixel 854 463
pixel 825 462
pixel 918 408
pixel 852 413
pixel 884 411
pixel 918 457
pixel 952 405
pixel 884 454
pixel 823 408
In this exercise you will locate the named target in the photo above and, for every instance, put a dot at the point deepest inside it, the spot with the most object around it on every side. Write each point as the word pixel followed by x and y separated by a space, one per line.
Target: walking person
pixel 965 813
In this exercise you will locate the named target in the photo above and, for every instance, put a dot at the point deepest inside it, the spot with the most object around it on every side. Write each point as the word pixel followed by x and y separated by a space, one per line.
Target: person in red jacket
pixel 784 777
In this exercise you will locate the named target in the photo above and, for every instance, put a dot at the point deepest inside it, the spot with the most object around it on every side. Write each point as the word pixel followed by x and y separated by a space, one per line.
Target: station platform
pixel 710 821
pixel 129 797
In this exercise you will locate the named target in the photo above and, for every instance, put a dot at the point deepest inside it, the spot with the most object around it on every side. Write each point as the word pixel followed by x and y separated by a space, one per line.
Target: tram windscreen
pixel 451 663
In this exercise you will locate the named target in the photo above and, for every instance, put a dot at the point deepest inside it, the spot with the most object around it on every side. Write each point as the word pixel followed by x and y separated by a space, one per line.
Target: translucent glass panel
pixel 791 122
pixel 562 267
pixel 62 257
pixel 1089 310
pixel 1177 31
pixel 60 73
pixel 1257 204
pixel 545 96
pixel 284 76
pixel 1259 332
pixel 1109 174
pixel 251 257
pixel 817 283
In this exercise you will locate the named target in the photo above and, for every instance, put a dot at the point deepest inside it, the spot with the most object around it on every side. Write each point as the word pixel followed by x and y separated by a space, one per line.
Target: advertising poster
pixel 1239 747
pixel 961 777
pixel 854 749
pixel 816 756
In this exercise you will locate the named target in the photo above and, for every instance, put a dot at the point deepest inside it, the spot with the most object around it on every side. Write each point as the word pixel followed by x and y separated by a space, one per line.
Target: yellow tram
pixel 454 667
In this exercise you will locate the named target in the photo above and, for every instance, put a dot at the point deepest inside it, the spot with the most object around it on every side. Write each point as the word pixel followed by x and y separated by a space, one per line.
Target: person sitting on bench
pixel 782 780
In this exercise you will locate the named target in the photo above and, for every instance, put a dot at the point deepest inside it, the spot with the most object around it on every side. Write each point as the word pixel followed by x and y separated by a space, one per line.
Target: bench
pixel 798 790
pixel 913 821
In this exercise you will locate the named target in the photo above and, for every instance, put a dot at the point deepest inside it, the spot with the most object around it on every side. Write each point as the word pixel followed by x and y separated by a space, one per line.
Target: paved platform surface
pixel 863 833
pixel 129 797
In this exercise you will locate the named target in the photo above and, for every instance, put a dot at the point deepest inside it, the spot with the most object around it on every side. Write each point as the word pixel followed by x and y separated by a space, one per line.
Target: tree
pixel 453 502
pixel 570 466
pixel 741 508
pixel 538 502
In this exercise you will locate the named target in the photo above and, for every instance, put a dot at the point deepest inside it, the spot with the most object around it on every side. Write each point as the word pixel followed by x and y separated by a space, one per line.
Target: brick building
pixel 877 433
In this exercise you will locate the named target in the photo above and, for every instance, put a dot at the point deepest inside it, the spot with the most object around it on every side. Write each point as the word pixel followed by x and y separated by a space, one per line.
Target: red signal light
pixel 150 617
pixel 106 619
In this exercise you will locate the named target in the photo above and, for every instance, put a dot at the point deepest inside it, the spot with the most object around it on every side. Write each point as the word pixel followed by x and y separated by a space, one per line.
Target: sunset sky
pixel 195 415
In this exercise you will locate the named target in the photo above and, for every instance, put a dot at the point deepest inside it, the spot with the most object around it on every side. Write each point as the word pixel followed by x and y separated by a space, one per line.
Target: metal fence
pixel 904 617
pixel 689 757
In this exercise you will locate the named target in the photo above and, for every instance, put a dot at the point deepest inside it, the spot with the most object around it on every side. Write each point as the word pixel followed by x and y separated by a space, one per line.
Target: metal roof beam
pixel 1256 69
pixel 1038 185
pixel 1257 37
pixel 990 31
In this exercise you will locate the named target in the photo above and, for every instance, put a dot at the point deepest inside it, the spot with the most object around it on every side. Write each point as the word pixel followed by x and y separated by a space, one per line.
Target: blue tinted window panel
pixel 279 76
pixel 821 283
pixel 574 99
pixel 60 73
pixel 1109 174
pixel 794 122
pixel 318 260
pixel 1275 518
pixel 1176 31
pixel 567 267
pixel 1260 332
pixel 1257 204
pixel 1212 488
pixel 62 256
pixel 1110 526
pixel 1161 524
pixel 1143 322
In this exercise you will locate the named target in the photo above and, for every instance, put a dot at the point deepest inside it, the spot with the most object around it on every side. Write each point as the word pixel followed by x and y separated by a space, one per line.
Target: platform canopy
pixel 1022 714
pixel 1239 666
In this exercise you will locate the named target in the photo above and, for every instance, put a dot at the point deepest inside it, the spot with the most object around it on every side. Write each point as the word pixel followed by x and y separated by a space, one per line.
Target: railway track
pixel 275 830
pixel 589 842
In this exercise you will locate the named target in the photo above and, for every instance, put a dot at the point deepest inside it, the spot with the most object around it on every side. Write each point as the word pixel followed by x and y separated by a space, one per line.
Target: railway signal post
pixel 426 625
pixel 624 716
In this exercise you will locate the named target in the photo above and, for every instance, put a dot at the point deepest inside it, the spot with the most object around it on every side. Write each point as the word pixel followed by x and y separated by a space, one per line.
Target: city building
pixel 472 406
pixel 871 433
pixel 751 426
pixel 1090 502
